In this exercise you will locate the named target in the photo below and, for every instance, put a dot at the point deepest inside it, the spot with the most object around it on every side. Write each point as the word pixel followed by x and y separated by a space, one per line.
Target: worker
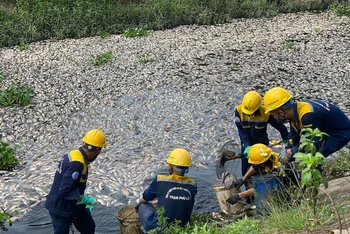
pixel 175 193
pixel 313 114
pixel 67 202
pixel 251 120
pixel 263 161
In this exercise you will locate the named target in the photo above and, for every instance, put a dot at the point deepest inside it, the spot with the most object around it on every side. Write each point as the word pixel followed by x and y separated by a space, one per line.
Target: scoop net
pixel 228 162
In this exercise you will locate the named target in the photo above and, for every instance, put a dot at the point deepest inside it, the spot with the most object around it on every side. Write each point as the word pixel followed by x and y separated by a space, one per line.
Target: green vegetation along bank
pixel 26 21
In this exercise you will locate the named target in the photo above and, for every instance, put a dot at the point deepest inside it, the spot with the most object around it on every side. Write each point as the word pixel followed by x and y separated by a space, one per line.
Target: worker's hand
pixel 284 157
pixel 233 199
pixel 137 207
pixel 246 151
pixel 238 183
pixel 90 207
pixel 87 200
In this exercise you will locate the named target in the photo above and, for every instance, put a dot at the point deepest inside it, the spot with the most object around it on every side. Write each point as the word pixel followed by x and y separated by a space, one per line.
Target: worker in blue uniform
pixel 66 201
pixel 251 120
pixel 175 193
pixel 313 114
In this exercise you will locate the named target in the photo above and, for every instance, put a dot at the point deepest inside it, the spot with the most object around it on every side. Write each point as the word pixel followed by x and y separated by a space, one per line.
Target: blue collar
pixel 295 112
pixel 84 154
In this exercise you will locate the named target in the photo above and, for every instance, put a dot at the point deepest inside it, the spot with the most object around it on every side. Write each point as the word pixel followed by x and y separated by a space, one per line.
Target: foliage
pixel 245 225
pixel 337 166
pixel 16 95
pixel 199 224
pixel 300 217
pixel 144 58
pixel 204 224
pixel 104 34
pixel 317 30
pixel 7 156
pixel 287 44
pixel 136 32
pixel 340 9
pixel 101 59
pixel 4 217
pixel 33 20
pixel 23 46
pixel 310 162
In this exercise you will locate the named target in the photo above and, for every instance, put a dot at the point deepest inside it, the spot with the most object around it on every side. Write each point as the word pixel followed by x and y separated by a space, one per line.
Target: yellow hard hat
pixel 95 137
pixel 275 98
pixel 259 153
pixel 251 102
pixel 179 157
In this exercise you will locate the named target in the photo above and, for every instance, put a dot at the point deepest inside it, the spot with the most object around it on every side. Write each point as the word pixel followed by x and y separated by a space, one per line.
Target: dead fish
pixel 199 165
pixel 228 180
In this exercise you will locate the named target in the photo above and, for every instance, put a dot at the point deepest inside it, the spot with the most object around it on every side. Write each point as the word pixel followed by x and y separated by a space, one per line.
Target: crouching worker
pixel 264 161
pixel 175 193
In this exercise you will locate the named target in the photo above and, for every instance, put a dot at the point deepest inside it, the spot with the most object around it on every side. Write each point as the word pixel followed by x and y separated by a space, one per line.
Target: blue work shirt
pixel 326 117
pixel 175 193
pixel 69 184
pixel 254 130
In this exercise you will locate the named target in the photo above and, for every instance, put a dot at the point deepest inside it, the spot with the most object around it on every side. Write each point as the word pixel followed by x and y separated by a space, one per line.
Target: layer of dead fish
pixel 141 130
pixel 184 98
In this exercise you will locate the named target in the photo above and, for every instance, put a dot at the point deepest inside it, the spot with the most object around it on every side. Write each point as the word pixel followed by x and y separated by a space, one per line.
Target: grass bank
pixel 26 21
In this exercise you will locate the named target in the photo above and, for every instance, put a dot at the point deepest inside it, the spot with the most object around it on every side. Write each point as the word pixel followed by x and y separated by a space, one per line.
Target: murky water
pixel 141 130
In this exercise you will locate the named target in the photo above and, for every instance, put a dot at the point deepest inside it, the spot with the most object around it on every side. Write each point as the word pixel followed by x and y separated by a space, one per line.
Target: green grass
pixel 136 32
pixel 341 10
pixel 101 59
pixel 33 20
pixel 287 44
pixel 337 166
pixel 21 95
pixel 145 58
pixel 103 34
pixel 23 46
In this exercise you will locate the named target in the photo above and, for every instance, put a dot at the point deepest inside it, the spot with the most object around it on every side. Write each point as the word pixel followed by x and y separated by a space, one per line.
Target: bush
pixel 7 156
pixel 34 20
pixel 16 95
pixel 337 166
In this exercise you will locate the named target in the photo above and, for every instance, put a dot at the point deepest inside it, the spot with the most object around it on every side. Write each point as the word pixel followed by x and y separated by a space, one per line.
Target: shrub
pixel 16 95
pixel 4 217
pixel 7 156
pixel 101 59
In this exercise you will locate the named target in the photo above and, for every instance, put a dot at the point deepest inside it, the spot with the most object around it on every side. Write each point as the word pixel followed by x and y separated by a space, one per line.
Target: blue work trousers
pixel 148 216
pixel 84 223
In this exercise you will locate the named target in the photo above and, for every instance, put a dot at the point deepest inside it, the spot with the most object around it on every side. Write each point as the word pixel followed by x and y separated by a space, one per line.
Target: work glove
pixel 88 201
pixel 233 199
pixel 284 157
pixel 238 183
pixel 90 207
pixel 246 151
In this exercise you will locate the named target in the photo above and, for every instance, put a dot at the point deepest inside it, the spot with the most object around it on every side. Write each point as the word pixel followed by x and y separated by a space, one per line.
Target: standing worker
pixel 175 193
pixel 251 120
pixel 313 114
pixel 66 201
